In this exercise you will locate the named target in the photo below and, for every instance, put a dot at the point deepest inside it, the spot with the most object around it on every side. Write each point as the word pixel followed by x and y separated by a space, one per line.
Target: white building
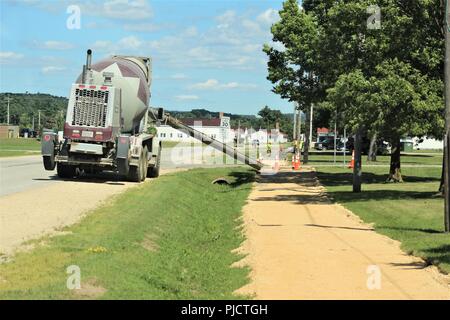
pixel 426 143
pixel 217 128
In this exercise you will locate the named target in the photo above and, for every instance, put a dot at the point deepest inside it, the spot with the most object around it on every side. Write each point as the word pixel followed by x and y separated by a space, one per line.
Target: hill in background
pixel 26 106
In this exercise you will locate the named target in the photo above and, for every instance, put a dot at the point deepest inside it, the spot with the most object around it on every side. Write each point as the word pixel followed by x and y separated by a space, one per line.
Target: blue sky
pixel 206 54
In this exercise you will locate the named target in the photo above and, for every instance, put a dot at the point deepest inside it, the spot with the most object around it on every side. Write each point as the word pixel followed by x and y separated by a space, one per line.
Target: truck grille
pixel 90 108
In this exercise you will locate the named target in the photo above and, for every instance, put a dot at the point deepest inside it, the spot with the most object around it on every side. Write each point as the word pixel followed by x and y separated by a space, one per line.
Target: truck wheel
pixel 65 171
pixel 49 163
pixel 153 172
pixel 135 172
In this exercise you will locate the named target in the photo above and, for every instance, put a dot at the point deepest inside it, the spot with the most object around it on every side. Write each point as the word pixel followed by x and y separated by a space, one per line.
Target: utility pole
pixel 335 129
pixel 294 133
pixel 7 117
pixel 345 143
pixel 311 124
pixel 447 118
pixel 39 119
pixel 357 172
pixel 299 125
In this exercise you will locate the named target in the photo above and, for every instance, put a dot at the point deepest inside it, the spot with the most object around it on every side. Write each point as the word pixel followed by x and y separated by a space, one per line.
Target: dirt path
pixel 302 246
pixel 41 211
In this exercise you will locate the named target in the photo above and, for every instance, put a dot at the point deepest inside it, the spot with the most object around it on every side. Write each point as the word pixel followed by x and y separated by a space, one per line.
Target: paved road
pixel 23 173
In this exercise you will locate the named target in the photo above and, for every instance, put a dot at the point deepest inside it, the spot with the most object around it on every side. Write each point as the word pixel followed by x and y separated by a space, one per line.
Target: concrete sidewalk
pixel 302 246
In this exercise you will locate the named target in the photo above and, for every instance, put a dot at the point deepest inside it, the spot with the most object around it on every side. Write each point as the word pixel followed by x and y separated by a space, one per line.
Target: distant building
pixel 426 143
pixel 8 131
pixel 219 129
pixel 322 133
pixel 216 128
pixel 262 136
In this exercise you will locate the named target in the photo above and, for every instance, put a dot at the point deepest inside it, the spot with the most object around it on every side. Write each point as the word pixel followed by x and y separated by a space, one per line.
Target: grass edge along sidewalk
pixel 171 238
pixel 410 212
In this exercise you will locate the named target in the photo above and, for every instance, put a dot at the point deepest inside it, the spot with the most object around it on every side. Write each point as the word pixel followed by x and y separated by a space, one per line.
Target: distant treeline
pixel 26 106
pixel 23 107
pixel 264 120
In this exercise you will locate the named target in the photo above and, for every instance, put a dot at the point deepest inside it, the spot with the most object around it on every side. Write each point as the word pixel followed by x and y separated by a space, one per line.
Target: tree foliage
pixel 386 80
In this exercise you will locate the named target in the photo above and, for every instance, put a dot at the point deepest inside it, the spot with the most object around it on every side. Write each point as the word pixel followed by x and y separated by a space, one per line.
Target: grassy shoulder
pixel 410 212
pixel 19 147
pixel 418 158
pixel 171 238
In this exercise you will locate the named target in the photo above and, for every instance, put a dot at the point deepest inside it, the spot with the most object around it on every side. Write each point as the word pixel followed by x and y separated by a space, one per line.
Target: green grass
pixel 19 147
pixel 406 159
pixel 171 238
pixel 410 212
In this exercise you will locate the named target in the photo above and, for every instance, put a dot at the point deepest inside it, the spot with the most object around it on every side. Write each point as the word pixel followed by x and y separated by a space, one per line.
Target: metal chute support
pixel 158 115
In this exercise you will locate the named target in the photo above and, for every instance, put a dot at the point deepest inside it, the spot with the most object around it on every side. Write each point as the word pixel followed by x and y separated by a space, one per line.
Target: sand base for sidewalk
pixel 302 246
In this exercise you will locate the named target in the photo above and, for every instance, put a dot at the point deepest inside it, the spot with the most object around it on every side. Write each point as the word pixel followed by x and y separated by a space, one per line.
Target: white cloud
pixel 102 45
pixel 111 9
pixel 213 84
pixel 208 84
pixel 54 45
pixel 127 9
pixel 251 26
pixel 130 42
pixel 187 97
pixel 269 17
pixel 190 32
pixel 234 41
pixel 142 27
pixel 9 57
pixel 226 19
pixel 52 69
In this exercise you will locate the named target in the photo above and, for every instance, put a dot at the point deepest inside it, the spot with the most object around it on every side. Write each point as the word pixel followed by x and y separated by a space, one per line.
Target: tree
pixel 395 101
pixel 411 104
pixel 292 66
pixel 270 117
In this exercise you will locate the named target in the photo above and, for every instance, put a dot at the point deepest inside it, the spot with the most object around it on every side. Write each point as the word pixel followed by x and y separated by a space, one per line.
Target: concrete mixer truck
pixel 106 122
pixel 106 126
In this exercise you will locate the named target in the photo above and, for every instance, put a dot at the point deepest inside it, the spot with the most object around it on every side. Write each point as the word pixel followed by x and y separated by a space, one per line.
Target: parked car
pixel 382 147
pixel 327 144
pixel 30 133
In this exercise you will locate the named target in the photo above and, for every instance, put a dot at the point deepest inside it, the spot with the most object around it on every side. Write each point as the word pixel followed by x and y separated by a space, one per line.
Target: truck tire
pixel 135 172
pixel 49 163
pixel 153 171
pixel 65 171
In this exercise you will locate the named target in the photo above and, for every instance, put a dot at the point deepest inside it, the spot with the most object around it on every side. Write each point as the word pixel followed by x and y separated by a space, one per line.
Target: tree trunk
pixel 372 155
pixel 306 144
pixel 357 171
pixel 395 173
pixel 441 185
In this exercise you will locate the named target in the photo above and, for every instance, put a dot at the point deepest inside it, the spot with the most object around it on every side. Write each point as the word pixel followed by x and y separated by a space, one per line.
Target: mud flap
pixel 48 150
pixel 122 158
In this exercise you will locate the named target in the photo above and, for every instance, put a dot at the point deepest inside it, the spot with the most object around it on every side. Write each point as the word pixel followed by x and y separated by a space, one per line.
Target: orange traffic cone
pixel 297 162
pixel 352 163
pixel 276 166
